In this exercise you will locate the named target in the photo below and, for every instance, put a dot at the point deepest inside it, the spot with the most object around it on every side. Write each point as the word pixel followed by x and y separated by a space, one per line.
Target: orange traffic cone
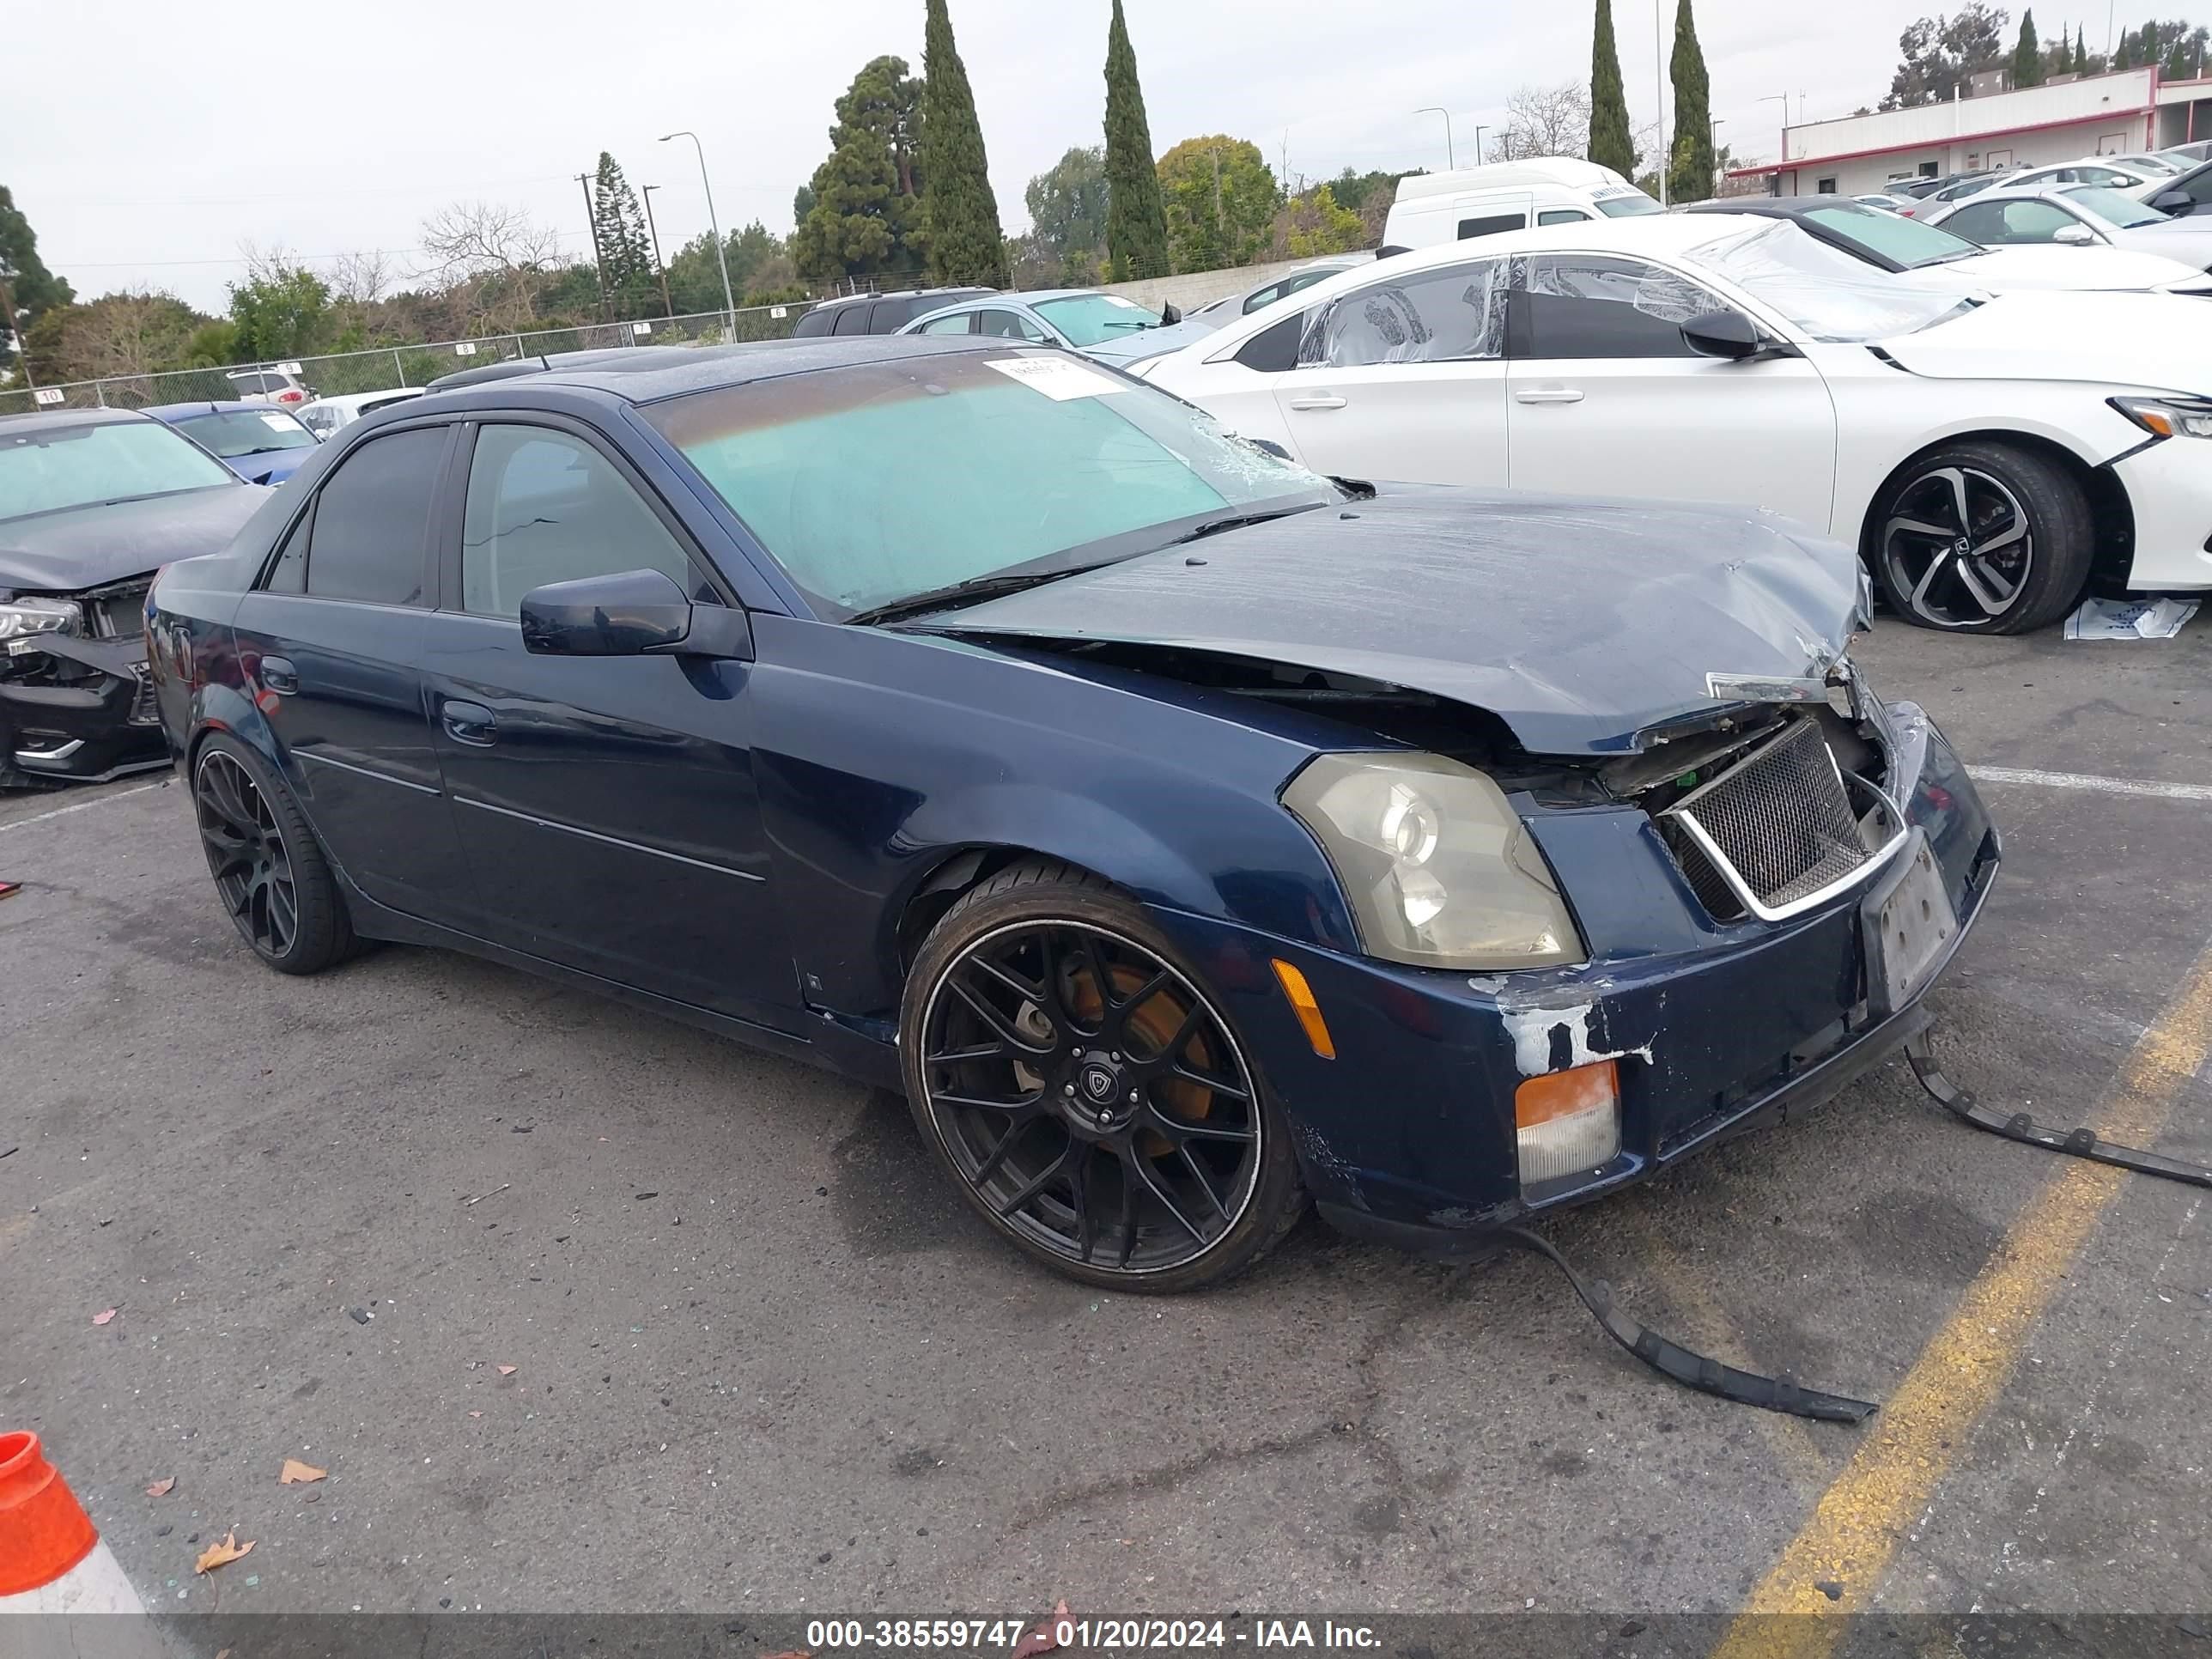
pixel 52 1562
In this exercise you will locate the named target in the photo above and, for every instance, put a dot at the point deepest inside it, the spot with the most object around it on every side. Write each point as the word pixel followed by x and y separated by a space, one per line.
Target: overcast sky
pixel 150 142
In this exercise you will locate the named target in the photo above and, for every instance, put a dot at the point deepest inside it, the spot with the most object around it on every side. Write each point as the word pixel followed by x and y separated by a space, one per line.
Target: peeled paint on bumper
pixel 1581 624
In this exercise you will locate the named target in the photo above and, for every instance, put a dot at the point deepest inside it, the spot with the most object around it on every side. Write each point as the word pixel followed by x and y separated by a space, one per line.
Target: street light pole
pixel 1659 87
pixel 1782 97
pixel 1713 140
pixel 667 305
pixel 1451 160
pixel 721 256
pixel 1479 131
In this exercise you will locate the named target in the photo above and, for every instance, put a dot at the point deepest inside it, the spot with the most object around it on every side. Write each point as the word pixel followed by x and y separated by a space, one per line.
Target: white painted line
pixel 2100 785
pixel 81 806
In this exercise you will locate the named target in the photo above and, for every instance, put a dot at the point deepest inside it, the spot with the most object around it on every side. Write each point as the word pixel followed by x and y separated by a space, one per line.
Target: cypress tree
pixel 1136 218
pixel 1610 145
pixel 2028 56
pixel 625 253
pixel 959 214
pixel 1690 170
pixel 2081 53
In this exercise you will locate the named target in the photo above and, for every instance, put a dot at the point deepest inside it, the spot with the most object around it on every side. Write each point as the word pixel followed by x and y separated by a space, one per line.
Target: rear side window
pixel 815 322
pixel 1587 305
pixel 960 322
pixel 369 538
pixel 852 318
pixel 1491 224
pixel 1453 314
pixel 1274 349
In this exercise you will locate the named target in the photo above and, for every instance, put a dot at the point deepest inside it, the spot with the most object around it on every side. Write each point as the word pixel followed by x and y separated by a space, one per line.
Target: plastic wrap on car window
pixel 1446 315
pixel 1652 289
pixel 1829 294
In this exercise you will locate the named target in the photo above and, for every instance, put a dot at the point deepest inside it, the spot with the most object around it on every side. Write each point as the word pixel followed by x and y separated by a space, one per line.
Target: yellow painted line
pixel 1922 1429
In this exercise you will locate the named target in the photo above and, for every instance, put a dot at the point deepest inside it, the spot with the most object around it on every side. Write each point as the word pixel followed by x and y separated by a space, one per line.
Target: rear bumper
pixel 87 731
pixel 1409 1134
pixel 2169 487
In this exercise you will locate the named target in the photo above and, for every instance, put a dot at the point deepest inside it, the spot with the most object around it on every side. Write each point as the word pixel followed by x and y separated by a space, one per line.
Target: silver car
pixel 2076 215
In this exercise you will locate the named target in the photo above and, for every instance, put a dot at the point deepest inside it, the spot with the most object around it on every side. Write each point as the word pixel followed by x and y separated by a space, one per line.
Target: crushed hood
pixel 2157 342
pixel 81 547
pixel 1581 624
pixel 2010 270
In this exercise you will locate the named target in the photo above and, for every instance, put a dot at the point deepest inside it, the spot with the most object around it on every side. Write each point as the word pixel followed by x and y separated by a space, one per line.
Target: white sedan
pixel 1985 454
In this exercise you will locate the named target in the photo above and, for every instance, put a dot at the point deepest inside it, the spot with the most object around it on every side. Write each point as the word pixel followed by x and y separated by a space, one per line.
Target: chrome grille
pixel 1777 826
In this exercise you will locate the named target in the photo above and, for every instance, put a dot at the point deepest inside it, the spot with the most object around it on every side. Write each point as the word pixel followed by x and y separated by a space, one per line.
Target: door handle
pixel 1318 400
pixel 1547 394
pixel 469 722
pixel 278 675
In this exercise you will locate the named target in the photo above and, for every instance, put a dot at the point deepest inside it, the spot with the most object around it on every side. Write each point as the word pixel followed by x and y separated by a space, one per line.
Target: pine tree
pixel 1610 145
pixel 1690 170
pixel 959 212
pixel 1136 219
pixel 2028 56
pixel 625 253
pixel 35 289
pixel 861 212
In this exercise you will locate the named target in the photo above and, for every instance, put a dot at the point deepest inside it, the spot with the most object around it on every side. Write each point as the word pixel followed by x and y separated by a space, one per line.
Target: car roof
pixel 900 293
pixel 705 369
pixel 1774 207
pixel 350 399
pixel 210 406
pixel 46 420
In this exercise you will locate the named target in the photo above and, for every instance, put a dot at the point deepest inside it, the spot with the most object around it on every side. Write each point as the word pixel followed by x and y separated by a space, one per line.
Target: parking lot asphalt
pixel 581 1309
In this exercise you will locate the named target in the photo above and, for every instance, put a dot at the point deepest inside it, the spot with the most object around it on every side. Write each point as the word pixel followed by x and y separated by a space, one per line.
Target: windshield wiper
pixel 1238 522
pixel 971 592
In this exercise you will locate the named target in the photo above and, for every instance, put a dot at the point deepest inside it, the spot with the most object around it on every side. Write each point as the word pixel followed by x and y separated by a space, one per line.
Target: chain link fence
pixel 382 368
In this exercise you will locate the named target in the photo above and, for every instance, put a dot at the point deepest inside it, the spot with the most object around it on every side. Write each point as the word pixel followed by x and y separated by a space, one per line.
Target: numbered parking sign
pixel 288 368
pixel 47 394
pixel 465 349
pixel 779 312
pixel 640 328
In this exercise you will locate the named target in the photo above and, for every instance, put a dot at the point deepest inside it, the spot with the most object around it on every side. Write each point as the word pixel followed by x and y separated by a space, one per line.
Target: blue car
pixel 1188 837
pixel 260 442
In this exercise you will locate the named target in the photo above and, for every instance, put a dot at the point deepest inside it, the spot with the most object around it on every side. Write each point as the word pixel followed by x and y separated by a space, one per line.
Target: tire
pixel 268 868
pixel 1982 538
pixel 1170 1167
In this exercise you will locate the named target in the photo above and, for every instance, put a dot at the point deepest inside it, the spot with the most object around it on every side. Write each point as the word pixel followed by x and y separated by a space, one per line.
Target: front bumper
pixel 91 729
pixel 1409 1133
pixel 2169 485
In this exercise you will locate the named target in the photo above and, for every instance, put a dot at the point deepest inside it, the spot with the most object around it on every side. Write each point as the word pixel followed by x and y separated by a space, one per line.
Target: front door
pixel 1606 397
pixel 1404 381
pixel 607 804
pixel 330 644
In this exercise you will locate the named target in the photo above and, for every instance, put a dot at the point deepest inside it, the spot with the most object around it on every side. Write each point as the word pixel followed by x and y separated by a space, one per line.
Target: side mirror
pixel 2173 201
pixel 634 613
pixel 1170 316
pixel 2074 236
pixel 1724 334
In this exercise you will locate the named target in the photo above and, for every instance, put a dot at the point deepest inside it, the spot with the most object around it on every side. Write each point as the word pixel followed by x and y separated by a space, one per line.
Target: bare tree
pixel 493 260
pixel 362 277
pixel 1546 121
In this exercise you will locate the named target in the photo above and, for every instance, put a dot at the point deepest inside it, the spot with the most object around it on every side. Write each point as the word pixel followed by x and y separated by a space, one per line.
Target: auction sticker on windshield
pixel 1056 377
pixel 278 423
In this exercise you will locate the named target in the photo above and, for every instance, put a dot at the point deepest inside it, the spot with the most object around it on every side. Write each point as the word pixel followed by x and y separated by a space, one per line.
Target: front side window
pixel 2027 221
pixel 233 434
pixel 852 318
pixel 1590 305
pixel 1087 319
pixel 543 507
pixel 369 537
pixel 872 483
pixel 1562 216
pixel 47 470
pixel 1451 314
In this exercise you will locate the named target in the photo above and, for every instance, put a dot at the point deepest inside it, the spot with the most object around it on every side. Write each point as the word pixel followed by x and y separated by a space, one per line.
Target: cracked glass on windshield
pixel 1829 293
pixel 877 481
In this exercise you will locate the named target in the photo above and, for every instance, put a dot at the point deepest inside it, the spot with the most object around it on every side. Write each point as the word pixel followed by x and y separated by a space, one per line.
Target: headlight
pixel 20 618
pixel 2169 417
pixel 1440 871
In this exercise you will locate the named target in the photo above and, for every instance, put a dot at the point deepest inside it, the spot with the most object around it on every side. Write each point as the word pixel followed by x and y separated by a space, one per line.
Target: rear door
pixel 1607 398
pixel 330 645
pixel 1404 379
pixel 607 804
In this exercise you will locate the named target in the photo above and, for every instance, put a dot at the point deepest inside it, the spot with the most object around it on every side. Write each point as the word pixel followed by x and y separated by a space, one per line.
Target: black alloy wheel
pixel 1984 539
pixel 269 871
pixel 1090 1099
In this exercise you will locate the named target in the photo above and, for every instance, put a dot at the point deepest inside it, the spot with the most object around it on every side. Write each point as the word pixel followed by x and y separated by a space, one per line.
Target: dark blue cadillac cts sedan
pixel 1184 835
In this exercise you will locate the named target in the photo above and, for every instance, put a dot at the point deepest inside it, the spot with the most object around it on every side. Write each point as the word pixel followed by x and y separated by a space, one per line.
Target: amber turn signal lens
pixel 1568 1122
pixel 1300 996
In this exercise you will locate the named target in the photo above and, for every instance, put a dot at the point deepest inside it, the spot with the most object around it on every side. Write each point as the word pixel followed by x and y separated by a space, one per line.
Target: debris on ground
pixel 360 1315
pixel 494 1193
pixel 103 1317
pixel 508 1371
pixel 10 888
pixel 1045 1637
pixel 223 1554
pixel 161 1488
pixel 296 1473
pixel 2130 619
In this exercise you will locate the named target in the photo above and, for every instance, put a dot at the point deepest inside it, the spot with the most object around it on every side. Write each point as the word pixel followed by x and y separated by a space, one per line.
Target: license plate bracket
pixel 1909 925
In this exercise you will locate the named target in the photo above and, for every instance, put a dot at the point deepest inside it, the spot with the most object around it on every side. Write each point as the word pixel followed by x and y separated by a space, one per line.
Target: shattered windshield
pixel 1829 293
